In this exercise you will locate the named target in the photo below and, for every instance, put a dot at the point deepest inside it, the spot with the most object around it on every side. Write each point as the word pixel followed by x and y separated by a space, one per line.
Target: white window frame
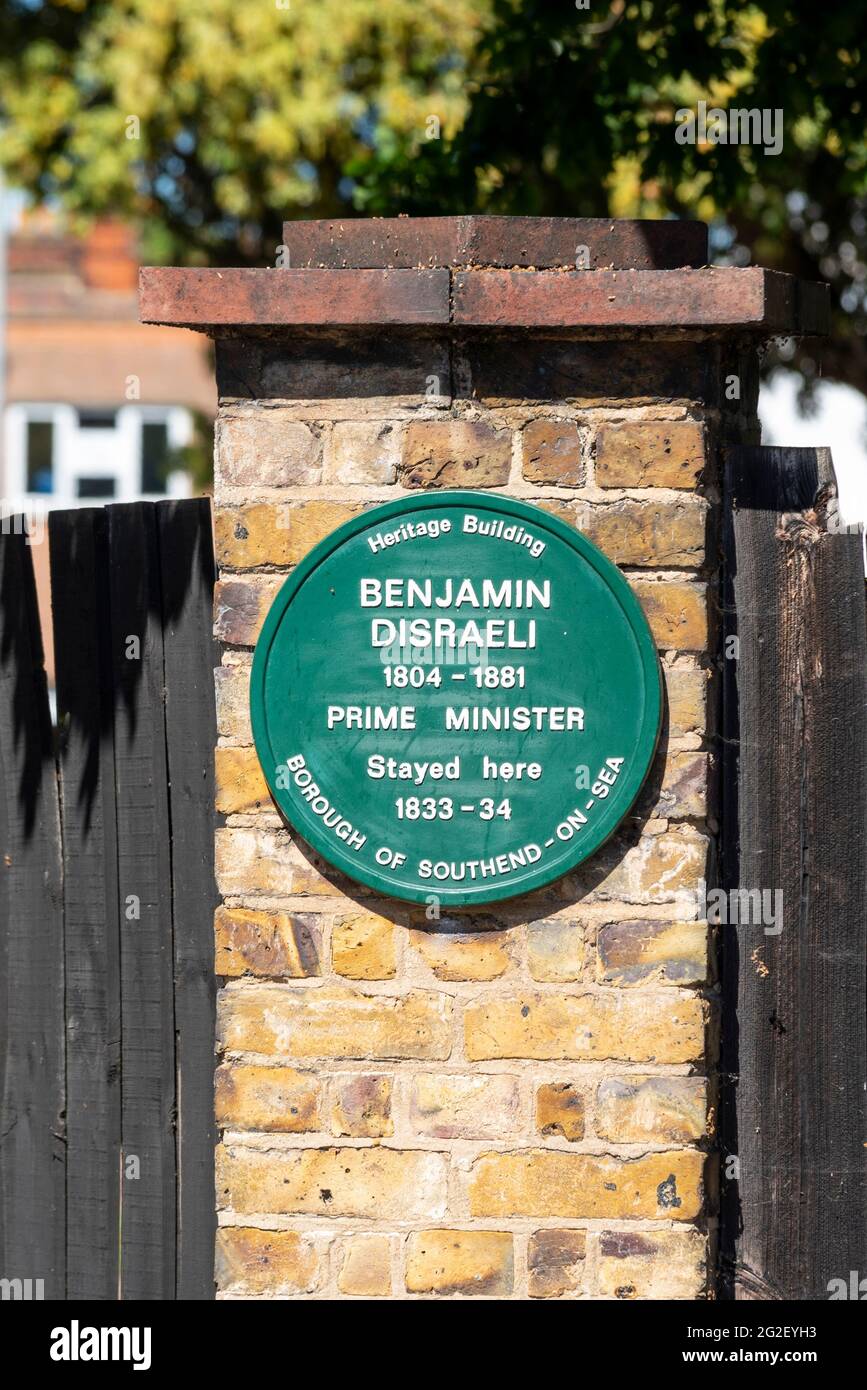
pixel 68 463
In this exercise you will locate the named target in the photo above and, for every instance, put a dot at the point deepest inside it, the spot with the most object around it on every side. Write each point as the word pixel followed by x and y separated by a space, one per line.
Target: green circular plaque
pixel 455 695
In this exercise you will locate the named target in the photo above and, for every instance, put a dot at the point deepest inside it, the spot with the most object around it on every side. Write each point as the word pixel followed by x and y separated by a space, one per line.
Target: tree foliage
pixel 208 121
pixel 573 111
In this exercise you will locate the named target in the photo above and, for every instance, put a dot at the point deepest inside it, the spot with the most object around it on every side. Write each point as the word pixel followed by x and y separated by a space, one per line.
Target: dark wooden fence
pixel 106 908
pixel 107 896
pixel 794 1105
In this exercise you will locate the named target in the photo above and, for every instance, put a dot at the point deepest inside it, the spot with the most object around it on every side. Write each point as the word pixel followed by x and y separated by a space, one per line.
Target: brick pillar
pixel 516 1103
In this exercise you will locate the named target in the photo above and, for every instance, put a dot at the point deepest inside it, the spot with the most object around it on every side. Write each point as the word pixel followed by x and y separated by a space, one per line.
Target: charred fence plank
pixel 793 1103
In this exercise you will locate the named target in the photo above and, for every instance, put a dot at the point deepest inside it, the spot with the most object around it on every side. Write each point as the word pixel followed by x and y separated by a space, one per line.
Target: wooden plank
pixel 187 569
pixel 794 1109
pixel 81 621
pixel 32 1101
pixel 349 298
pixel 144 891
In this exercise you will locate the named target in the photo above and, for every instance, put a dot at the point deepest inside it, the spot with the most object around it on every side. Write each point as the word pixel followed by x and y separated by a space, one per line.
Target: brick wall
pixel 509 1104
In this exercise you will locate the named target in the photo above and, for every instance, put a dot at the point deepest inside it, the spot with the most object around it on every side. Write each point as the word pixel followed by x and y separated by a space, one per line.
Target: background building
pixel 96 407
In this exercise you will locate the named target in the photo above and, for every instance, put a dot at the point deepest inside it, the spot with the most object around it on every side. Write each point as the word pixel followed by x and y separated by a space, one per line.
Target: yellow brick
pixel 566 512
pixel 240 606
pixel 232 688
pixel 655 870
pixel 638 952
pixel 662 1026
pixel 664 453
pixel 555 950
pixel 684 789
pixel 375 1182
pixel 653 533
pixel 240 781
pixel 249 860
pixel 651 1264
pixel 252 941
pixel 464 1107
pixel 687 690
pixel 253 1262
pixel 361 1106
pixel 455 453
pixel 335 1022
pixel 460 1262
pixel 553 452
pixel 362 948
pixel 262 534
pixel 676 611
pixel 463 956
pixel 555 1262
pixel 277 1099
pixel 657 1109
pixel 363 451
pixel 548 1182
pixel 366 1268
pixel 266 448
pixel 560 1110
